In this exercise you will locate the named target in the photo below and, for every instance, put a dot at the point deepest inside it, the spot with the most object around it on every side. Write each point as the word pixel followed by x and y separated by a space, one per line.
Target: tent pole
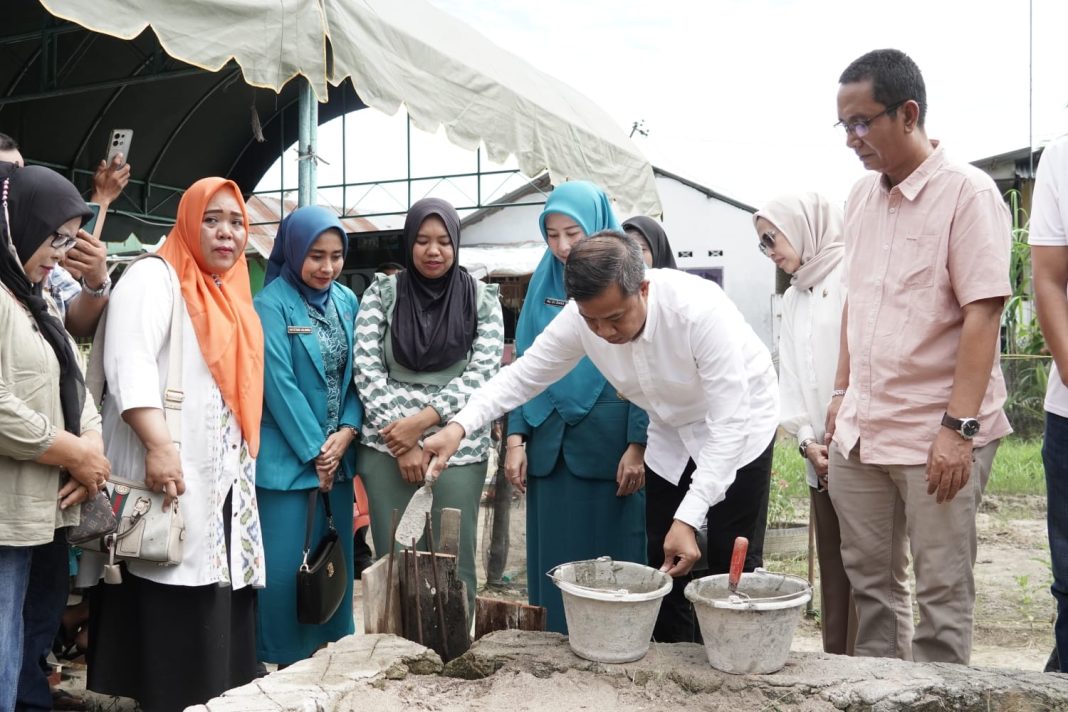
pixel 307 133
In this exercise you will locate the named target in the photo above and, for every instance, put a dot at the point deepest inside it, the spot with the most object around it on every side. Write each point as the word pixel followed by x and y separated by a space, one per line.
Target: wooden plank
pixel 449 542
pixel 421 622
pixel 375 590
pixel 496 614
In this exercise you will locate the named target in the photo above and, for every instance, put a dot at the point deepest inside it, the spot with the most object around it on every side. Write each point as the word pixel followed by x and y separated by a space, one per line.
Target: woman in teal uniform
pixel 311 416
pixel 577 448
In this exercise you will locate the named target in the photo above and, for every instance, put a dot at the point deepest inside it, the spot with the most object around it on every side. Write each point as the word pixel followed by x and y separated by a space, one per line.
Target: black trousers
pixel 743 512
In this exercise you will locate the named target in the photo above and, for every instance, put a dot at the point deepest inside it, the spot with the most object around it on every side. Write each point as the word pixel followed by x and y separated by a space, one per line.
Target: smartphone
pixel 90 224
pixel 119 141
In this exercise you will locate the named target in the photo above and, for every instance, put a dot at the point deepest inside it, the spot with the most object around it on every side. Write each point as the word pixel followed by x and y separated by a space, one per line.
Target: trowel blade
pixel 413 520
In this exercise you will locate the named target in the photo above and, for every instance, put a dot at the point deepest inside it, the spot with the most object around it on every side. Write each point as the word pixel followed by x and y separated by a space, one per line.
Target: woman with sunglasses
pixel 51 451
pixel 802 235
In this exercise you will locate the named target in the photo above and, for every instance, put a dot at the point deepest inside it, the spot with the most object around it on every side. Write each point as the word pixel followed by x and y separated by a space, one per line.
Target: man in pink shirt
pixel 919 391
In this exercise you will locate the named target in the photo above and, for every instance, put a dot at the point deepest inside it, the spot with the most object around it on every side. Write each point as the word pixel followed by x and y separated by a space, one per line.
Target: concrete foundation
pixel 512 670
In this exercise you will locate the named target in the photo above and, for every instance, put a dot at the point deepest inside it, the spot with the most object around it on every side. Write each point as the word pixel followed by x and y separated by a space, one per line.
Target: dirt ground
pixel 1014 608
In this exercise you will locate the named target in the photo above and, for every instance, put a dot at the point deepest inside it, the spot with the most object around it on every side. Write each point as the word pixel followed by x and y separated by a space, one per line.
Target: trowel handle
pixel 741 547
pixel 430 468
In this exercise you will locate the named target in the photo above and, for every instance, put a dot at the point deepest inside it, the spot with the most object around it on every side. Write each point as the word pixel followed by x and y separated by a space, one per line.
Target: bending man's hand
pixel 442 445
pixel 680 549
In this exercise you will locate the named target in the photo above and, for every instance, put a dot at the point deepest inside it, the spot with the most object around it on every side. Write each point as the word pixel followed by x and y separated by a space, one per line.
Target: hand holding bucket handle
pixel 741 548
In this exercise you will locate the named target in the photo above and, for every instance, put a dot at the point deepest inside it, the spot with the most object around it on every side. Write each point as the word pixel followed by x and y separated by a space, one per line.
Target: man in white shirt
pixel 676 346
pixel 1049 259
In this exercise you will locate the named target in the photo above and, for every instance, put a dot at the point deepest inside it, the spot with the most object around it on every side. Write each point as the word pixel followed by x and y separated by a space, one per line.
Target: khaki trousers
pixel 879 508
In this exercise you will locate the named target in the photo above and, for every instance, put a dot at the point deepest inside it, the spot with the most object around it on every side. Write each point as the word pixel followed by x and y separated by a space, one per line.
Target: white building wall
pixel 716 233
pixel 506 226
pixel 721 235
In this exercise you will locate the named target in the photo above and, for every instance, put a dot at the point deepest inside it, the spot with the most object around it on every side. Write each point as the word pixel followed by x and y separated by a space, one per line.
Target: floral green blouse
pixel 335 350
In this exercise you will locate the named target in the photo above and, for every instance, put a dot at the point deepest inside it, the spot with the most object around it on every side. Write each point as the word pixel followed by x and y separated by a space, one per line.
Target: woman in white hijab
pixel 802 234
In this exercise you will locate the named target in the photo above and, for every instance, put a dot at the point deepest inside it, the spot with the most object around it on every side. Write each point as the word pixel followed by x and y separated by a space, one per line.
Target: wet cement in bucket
pixel 610 607
pixel 749 631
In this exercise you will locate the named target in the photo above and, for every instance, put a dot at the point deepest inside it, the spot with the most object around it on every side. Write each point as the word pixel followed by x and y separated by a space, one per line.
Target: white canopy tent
pixel 397 52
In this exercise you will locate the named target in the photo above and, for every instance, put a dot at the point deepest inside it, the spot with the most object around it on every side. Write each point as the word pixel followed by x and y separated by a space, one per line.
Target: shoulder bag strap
pixel 309 526
pixel 173 395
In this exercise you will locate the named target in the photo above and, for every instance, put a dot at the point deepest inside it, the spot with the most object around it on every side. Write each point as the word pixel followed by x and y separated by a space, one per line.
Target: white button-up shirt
pixel 698 369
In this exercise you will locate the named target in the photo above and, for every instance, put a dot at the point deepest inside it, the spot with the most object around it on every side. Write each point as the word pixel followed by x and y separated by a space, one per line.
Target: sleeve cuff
pixel 465 421
pixel 517 425
pixel 805 432
pixel 693 510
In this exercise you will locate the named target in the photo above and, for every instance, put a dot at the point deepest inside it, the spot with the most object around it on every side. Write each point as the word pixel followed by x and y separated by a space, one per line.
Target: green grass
pixel 1017 468
pixel 788 466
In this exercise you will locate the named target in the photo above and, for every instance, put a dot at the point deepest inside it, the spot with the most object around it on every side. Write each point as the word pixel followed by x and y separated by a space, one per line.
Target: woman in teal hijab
pixel 311 416
pixel 577 448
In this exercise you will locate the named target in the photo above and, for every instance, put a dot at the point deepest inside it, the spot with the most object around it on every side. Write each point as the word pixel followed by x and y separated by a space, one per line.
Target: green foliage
pixel 1026 363
pixel 1017 471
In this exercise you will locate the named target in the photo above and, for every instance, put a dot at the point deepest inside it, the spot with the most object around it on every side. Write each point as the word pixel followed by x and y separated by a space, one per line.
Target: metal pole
pixel 408 152
pixel 307 134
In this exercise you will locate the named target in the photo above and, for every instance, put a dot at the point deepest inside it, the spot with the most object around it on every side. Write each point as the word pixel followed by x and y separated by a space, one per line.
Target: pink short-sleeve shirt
pixel 915 254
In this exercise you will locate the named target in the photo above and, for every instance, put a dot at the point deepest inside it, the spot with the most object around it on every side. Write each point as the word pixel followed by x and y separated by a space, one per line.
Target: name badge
pixel 299 329
pixel 556 302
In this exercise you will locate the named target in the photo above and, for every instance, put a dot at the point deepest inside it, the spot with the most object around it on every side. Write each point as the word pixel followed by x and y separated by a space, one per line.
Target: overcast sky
pixel 739 95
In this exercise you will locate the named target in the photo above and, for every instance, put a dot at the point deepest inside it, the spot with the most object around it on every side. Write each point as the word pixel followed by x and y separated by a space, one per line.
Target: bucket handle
pixel 551 573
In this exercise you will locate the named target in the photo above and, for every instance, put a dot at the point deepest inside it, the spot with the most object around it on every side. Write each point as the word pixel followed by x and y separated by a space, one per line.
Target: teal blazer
pixel 294 388
pixel 591 448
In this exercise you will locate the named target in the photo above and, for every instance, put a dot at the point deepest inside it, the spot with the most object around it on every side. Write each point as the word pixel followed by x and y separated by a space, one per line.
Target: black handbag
pixel 322 577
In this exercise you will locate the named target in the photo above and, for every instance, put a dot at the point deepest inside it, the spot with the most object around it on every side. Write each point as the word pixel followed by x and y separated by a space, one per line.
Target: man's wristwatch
pixel 802 446
pixel 967 428
pixel 102 291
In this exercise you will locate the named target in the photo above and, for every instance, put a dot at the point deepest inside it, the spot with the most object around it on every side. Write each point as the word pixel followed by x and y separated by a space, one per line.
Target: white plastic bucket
pixel 750 632
pixel 610 606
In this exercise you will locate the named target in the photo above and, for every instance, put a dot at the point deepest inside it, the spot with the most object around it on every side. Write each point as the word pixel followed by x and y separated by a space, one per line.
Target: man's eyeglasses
pixel 860 127
pixel 767 242
pixel 63 242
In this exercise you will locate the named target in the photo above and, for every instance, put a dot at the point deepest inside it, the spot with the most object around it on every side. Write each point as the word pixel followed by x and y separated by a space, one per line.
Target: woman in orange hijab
pixel 173 636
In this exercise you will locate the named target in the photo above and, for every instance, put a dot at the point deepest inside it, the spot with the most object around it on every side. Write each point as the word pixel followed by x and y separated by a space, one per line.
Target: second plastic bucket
pixel 610 606
pixel 752 632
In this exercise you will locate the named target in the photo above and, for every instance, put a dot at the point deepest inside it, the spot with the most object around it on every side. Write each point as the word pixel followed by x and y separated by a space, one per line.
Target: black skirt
pixel 169 647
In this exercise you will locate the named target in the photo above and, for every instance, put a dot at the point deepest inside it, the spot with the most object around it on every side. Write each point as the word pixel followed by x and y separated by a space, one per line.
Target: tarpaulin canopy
pixel 395 52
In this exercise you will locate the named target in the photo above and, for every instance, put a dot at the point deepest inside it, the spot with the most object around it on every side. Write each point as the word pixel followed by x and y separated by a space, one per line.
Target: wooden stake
pixel 389 567
pixel 417 581
pixel 437 588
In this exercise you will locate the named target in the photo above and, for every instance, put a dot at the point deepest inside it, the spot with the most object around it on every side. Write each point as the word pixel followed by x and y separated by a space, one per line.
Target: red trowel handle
pixel 741 546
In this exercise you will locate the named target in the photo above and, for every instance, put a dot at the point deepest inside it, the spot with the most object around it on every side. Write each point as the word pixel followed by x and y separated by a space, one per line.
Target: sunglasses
pixel 767 242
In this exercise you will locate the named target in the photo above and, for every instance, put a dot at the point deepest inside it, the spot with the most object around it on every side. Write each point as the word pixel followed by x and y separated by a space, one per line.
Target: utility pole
pixel 638 127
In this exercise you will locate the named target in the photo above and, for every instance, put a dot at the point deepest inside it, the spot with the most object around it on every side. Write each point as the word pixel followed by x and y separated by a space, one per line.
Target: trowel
pixel 741 548
pixel 413 521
